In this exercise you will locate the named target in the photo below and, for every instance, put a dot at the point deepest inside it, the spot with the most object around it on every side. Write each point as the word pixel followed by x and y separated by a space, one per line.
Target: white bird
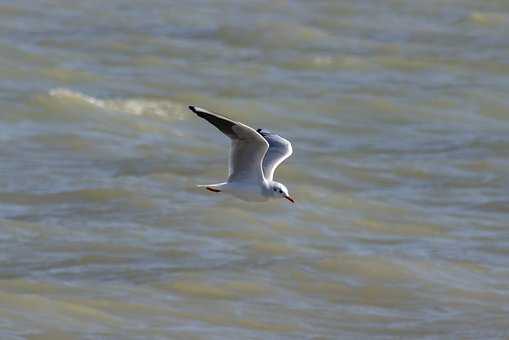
pixel 254 156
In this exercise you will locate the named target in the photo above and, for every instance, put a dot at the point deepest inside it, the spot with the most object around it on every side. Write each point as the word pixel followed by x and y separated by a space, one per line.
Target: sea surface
pixel 399 116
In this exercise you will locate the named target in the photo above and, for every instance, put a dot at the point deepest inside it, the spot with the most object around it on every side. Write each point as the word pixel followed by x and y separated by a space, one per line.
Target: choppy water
pixel 399 115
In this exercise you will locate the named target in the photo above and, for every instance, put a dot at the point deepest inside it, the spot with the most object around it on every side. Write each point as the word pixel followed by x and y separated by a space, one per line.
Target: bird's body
pixel 254 156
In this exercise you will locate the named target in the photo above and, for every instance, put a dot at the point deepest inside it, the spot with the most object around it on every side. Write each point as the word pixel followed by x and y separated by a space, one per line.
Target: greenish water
pixel 399 116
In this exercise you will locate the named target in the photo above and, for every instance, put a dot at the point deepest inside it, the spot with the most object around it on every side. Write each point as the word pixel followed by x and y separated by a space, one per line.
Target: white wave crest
pixel 138 107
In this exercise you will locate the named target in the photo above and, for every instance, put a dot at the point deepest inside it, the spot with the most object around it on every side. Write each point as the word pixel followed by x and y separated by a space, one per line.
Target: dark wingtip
pixel 263 132
pixel 223 124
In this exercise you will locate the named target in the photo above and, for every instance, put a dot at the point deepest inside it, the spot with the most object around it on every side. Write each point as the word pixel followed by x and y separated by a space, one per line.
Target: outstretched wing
pixel 247 148
pixel 279 150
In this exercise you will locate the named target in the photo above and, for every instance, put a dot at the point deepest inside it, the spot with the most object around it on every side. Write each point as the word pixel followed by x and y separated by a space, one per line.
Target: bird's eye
pixel 274 189
pixel 281 191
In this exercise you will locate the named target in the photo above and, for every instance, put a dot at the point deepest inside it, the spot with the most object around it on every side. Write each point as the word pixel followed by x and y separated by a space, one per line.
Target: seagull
pixel 254 156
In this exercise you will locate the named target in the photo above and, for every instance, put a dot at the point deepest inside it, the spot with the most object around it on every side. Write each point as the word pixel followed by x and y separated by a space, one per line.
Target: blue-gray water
pixel 399 116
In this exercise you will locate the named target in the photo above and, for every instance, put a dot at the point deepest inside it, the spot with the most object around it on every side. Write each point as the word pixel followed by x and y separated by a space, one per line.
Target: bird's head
pixel 279 190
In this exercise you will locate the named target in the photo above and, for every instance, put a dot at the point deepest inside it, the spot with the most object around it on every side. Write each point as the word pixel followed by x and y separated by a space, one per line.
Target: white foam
pixel 138 107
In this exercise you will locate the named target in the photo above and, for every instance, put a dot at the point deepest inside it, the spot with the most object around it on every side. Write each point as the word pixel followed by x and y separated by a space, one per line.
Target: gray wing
pixel 247 148
pixel 279 150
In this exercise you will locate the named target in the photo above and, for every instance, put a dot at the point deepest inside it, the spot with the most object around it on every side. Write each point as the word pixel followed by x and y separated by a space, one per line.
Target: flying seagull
pixel 254 156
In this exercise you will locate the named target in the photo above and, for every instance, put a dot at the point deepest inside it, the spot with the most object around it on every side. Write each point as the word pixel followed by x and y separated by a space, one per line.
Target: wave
pixel 138 107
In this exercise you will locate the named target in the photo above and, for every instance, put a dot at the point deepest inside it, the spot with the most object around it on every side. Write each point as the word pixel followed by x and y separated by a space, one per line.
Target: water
pixel 399 116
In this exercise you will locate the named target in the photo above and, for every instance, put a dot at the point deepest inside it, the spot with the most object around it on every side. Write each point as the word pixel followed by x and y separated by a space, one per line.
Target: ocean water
pixel 399 116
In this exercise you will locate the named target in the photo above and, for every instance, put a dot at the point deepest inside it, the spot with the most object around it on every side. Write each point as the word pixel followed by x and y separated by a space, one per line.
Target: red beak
pixel 290 199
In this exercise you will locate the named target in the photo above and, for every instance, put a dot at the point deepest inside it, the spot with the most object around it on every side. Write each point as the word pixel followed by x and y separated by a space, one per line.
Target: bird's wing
pixel 279 150
pixel 247 149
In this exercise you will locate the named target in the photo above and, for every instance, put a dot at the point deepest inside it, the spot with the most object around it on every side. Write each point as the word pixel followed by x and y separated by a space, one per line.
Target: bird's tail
pixel 212 187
